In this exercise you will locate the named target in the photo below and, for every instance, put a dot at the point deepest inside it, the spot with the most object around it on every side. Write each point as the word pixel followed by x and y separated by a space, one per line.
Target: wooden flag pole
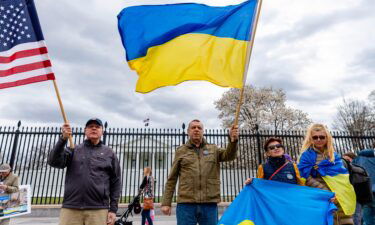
pixel 71 143
pixel 249 50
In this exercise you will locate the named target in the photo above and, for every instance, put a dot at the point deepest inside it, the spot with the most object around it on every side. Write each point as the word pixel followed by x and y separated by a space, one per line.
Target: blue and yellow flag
pixel 170 44
pixel 334 174
pixel 265 202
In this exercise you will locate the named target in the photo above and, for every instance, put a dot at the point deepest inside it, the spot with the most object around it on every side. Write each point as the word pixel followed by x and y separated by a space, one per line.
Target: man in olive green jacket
pixel 197 167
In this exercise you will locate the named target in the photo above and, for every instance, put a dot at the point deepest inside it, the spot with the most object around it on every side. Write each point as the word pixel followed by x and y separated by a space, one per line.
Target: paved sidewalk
pixel 159 220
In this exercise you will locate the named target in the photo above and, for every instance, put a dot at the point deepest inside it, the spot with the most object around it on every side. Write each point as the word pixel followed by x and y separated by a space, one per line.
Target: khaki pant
pixel 5 221
pixel 341 219
pixel 83 216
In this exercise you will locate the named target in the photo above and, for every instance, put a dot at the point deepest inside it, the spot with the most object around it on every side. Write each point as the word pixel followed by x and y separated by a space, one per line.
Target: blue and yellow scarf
pixel 334 174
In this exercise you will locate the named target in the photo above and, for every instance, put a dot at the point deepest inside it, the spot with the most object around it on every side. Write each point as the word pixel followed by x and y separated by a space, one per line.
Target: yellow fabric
pixel 246 222
pixel 192 57
pixel 260 173
pixel 344 191
pixel 300 180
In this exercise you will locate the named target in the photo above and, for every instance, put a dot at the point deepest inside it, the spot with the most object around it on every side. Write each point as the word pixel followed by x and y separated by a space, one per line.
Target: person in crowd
pixel 366 159
pixel 93 177
pixel 357 217
pixel 147 187
pixel 323 168
pixel 197 168
pixel 8 185
pixel 278 166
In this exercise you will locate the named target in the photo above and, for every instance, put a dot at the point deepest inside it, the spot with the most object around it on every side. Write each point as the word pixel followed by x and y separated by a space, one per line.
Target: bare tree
pixel 355 117
pixel 371 98
pixel 265 107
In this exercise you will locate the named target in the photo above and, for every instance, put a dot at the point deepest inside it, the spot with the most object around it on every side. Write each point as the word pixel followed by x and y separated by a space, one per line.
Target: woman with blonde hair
pixel 147 187
pixel 322 168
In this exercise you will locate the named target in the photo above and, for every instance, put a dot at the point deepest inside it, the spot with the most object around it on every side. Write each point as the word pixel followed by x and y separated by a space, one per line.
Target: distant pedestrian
pixel 357 217
pixel 93 177
pixel 8 184
pixel 366 159
pixel 197 168
pixel 147 188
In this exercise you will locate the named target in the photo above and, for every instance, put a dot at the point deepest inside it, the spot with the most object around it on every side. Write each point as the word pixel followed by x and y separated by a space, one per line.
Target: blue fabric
pixel 265 202
pixel 369 164
pixel 162 23
pixel 325 167
pixel 193 213
pixel 286 174
pixel 367 153
pixel 29 19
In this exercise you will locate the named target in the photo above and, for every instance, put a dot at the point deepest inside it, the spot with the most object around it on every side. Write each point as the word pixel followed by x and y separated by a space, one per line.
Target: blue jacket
pixel 366 159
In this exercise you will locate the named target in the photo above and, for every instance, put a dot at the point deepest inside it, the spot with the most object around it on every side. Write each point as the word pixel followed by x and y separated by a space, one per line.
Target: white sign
pixel 15 204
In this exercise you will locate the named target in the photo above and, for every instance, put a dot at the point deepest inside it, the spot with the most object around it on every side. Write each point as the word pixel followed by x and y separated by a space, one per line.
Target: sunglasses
pixel 273 147
pixel 320 137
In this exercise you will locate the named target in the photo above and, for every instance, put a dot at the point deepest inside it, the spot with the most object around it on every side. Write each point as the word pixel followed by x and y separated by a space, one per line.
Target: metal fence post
pixel 257 134
pixel 105 133
pixel 15 145
pixel 183 133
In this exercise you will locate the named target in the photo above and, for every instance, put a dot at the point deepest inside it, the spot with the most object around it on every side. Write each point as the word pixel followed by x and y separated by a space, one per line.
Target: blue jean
pixel 369 214
pixel 146 215
pixel 193 213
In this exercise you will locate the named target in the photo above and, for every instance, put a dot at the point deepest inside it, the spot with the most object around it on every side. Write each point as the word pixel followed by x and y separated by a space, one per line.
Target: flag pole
pixel 71 143
pixel 249 50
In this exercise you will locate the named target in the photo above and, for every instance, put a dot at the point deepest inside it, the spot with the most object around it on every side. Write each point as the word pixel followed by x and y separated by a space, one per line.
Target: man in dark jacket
pixel 93 177
pixel 197 167
pixel 366 159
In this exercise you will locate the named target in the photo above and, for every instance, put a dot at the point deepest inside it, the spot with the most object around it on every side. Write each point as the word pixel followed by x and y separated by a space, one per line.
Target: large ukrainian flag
pixel 334 174
pixel 170 44
pixel 266 202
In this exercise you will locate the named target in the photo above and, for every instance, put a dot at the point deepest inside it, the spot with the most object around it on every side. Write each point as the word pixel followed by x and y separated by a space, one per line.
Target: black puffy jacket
pixel 93 175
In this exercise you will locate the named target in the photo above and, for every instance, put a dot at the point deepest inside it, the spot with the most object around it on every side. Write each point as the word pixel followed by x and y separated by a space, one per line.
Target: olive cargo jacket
pixel 12 183
pixel 198 172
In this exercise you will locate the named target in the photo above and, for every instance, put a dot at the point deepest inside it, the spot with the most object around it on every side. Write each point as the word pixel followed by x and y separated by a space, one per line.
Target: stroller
pixel 134 206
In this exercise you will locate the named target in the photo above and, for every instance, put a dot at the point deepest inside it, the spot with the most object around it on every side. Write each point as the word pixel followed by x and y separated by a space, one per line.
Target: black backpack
pixel 361 182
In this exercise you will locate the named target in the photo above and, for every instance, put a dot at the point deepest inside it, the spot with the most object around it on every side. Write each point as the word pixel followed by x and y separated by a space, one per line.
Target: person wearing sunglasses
pixel 278 166
pixel 322 168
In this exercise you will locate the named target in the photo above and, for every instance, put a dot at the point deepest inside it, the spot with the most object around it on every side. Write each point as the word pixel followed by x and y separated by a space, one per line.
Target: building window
pixel 145 159
pixel 160 158
pixel 131 160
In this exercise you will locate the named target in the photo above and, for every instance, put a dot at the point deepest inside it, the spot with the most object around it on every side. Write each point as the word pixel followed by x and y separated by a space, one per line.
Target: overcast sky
pixel 317 51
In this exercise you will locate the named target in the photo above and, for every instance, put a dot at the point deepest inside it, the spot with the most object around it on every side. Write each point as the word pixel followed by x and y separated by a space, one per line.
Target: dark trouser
pixel 357 217
pixel 193 213
pixel 146 215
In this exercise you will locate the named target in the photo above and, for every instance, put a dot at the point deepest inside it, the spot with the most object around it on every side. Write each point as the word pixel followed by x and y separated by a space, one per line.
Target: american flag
pixel 23 53
pixel 147 122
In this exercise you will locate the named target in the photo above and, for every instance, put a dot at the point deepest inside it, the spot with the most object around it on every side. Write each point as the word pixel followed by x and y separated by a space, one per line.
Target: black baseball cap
pixel 94 120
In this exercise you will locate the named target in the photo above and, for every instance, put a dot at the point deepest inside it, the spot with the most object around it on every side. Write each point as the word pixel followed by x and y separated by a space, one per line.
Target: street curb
pixel 54 210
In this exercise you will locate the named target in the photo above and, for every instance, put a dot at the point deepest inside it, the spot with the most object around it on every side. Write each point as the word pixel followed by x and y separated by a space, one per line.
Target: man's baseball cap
pixel 94 120
pixel 4 168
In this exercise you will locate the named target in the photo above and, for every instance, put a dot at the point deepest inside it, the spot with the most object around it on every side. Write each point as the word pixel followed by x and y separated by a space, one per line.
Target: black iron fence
pixel 26 149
